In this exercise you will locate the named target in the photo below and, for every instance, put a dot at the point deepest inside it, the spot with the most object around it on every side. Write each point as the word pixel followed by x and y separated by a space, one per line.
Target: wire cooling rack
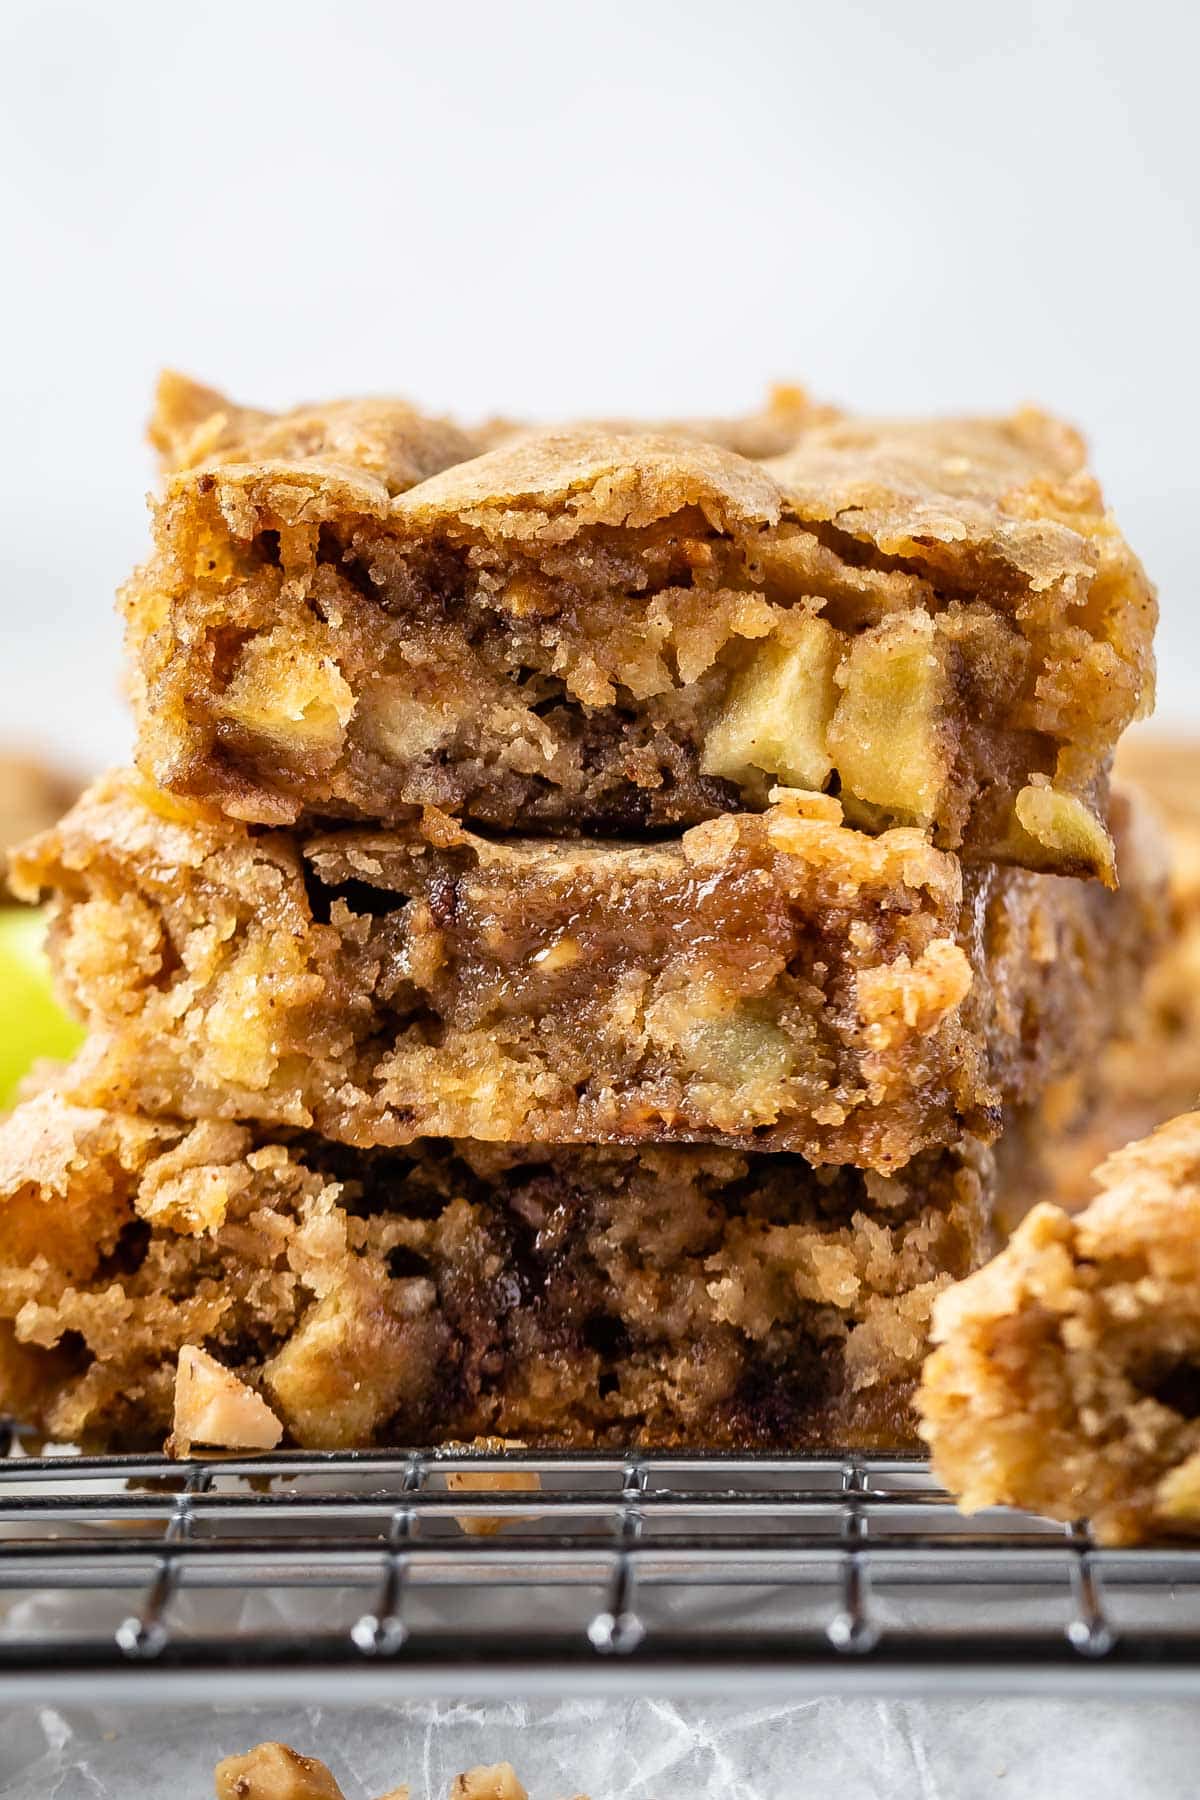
pixel 374 1576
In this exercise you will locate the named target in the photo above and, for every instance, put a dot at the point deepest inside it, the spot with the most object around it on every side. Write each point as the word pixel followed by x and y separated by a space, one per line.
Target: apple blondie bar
pixel 350 615
pixel 1067 1378
pixel 774 980
pixel 234 1285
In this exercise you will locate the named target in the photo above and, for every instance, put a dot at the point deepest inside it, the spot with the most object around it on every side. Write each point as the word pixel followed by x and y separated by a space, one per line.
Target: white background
pixel 555 209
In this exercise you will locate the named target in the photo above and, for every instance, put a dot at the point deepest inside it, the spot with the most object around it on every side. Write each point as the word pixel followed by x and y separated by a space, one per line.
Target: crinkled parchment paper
pixel 633 1749
pixel 610 1749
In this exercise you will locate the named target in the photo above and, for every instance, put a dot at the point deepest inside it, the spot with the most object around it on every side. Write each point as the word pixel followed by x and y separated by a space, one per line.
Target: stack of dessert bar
pixel 599 920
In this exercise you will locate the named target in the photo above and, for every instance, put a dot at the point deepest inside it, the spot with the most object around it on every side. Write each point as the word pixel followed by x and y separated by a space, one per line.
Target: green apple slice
pixel 32 1023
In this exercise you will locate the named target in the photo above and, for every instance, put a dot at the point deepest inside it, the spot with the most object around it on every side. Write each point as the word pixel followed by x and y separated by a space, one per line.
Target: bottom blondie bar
pixel 1067 1379
pixel 575 1297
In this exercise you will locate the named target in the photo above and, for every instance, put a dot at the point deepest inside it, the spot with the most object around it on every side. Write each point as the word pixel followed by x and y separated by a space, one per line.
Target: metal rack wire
pixel 386 1575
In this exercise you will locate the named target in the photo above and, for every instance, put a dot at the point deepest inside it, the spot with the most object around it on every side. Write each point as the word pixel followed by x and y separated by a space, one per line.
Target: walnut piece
pixel 274 1772
pixel 289 692
pixel 497 1782
pixel 213 1407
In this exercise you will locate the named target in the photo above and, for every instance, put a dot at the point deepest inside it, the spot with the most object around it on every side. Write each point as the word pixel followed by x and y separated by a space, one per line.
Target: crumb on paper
pixel 497 1782
pixel 273 1771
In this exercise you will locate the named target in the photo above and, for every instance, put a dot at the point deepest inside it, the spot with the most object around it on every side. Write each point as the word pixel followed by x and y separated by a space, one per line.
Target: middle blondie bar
pixel 773 981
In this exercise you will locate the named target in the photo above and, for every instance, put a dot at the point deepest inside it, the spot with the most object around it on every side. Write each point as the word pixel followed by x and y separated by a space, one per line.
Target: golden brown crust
pixel 1068 1374
pixel 193 424
pixel 348 615
pixel 555 485
pixel 575 1297
pixel 963 493
pixel 774 980
pixel 194 428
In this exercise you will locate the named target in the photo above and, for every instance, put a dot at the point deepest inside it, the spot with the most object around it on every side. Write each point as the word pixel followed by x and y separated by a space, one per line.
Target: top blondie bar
pixel 354 611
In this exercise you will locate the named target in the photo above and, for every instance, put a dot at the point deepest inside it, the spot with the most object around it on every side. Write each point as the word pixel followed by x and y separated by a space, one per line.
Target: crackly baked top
pixel 193 425
pixel 1008 497
pixel 387 442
